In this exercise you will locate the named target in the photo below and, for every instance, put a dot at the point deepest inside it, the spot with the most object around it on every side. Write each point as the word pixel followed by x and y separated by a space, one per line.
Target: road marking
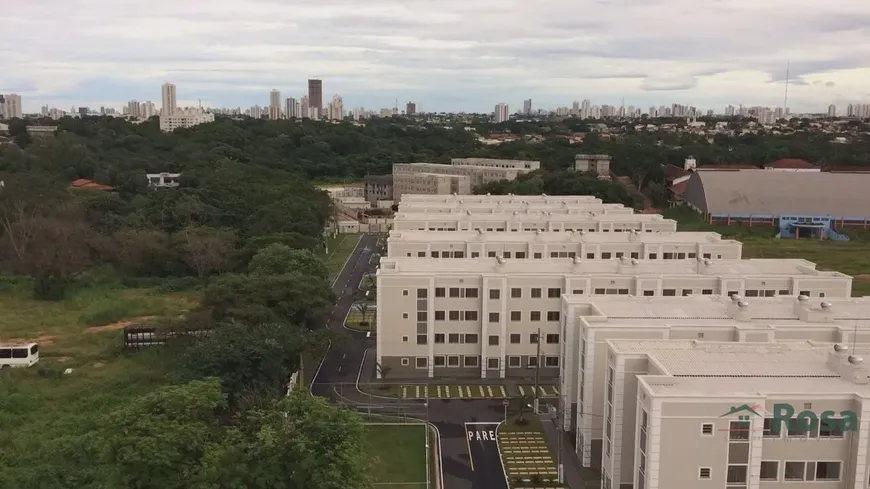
pixel 405 391
pixel 460 391
pixel 503 392
pixel 426 391
pixel 468 391
pixel 489 390
pixel 417 391
pixel 522 391
pixel 543 391
pixel 439 391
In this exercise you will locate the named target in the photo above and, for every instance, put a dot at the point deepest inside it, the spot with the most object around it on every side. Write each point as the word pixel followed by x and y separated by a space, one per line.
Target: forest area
pixel 237 250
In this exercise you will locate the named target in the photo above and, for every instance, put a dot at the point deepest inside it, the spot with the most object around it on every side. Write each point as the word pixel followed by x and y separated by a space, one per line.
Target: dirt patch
pixel 63 359
pixel 118 325
pixel 98 365
pixel 865 277
pixel 42 340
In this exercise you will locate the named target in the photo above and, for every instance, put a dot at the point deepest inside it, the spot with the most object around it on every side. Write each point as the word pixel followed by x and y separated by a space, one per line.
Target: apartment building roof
pixel 544 216
pixel 542 212
pixel 503 198
pixel 508 206
pixel 758 312
pixel 633 267
pixel 551 237
pixel 725 369
pixel 428 174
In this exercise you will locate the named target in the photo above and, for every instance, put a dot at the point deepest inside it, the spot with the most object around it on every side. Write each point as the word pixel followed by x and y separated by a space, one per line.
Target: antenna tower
pixel 785 102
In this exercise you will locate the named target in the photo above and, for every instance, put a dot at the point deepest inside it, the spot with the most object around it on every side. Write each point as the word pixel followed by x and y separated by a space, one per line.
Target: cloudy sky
pixel 442 54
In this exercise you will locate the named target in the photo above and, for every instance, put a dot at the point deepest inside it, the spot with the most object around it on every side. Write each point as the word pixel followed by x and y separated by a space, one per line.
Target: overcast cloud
pixel 442 54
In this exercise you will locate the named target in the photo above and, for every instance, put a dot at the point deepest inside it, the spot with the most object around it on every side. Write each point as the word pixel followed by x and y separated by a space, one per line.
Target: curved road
pixel 469 450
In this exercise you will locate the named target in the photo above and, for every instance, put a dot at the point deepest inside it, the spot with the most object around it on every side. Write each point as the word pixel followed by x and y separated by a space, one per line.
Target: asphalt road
pixel 466 463
pixel 341 364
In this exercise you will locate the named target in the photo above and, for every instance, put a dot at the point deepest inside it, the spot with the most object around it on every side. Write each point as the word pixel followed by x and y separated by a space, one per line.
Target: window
pixel 490 254
pixel 492 363
pixel 531 362
pixel 422 339
pixel 771 430
pixel 455 292
pixel 737 474
pixel 516 316
pixel 554 293
pixel 830 429
pixel 421 254
pixel 458 254
pixel 471 315
pixel 553 315
pixel 577 291
pixel 406 362
pixel 535 316
pixel 687 292
pixel 506 254
pixel 536 293
pixel 439 361
pixel 453 361
pixel 769 471
pixel 649 293
pixel 590 256
pixel 706 291
pixel 422 316
pixel 422 362
pixel 440 315
pixel 493 317
pixel 453 315
pixel 551 361
pixel 739 430
pixel 434 254
pixel 470 339
pixel 515 338
pixel 521 254
pixel 471 293
pixel 405 292
pixel 794 471
pixel 494 293
pixel 706 255
pixel 439 337
pixel 599 291
pixel 404 315
pixel 802 428
pixel 707 429
pixel 619 254
pixel 653 256
pixel 804 292
pixel 513 362
pixel 537 255
pixel 453 338
pixel 475 254
pixel 422 293
pixel 533 338
pixel 704 472
pixel 439 291
pixel 635 254
pixel 404 340
pixel 552 338
pixel 493 340
pixel 669 292
pixel 605 255
pixel 470 361
pixel 516 293
pixel 828 471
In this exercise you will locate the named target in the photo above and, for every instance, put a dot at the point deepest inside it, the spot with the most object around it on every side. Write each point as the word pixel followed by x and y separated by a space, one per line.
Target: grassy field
pixel 40 406
pixel 401 455
pixel 849 257
pixel 340 248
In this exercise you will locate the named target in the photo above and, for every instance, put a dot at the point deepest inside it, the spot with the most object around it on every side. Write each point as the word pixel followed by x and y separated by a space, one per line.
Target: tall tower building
pixel 10 106
pixel 410 108
pixel 527 107
pixel 501 113
pixel 315 93
pixel 170 101
pixel 305 108
pixel 290 110
pixel 832 110
pixel 274 105
pixel 336 108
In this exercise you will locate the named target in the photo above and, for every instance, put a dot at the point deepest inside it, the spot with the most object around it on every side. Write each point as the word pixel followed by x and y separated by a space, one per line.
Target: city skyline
pixel 458 57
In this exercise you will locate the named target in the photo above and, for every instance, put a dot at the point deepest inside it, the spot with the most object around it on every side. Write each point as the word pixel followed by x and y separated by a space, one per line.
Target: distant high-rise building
pixel 274 105
pixel 170 101
pixel 832 110
pixel 335 110
pixel 527 107
pixel 83 111
pixel 256 112
pixel 133 109
pixel 502 113
pixel 575 109
pixel 410 108
pixel 146 110
pixel 290 108
pixel 10 106
pixel 586 109
pixel 315 93
pixel 305 108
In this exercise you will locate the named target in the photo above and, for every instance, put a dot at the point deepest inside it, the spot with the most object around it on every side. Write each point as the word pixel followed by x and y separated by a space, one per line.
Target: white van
pixel 19 355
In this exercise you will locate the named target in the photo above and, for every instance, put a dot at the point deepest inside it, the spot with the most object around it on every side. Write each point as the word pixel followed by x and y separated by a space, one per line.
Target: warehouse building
pixel 590 322
pixel 533 221
pixel 690 414
pixel 799 204
pixel 480 317
pixel 541 245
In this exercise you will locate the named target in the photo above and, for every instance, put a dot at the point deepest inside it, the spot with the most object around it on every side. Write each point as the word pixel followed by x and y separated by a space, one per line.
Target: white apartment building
pixel 10 106
pixel 478 170
pixel 169 98
pixel 822 312
pixel 500 206
pixel 480 317
pixel 691 414
pixel 274 105
pixel 542 245
pixel 497 163
pixel 501 113
pixel 532 221
pixel 509 198
pixel 430 183
pixel 163 179
pixel 184 118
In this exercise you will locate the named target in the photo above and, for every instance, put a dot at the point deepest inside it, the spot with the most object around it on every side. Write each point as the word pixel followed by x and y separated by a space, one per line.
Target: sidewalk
pixel 571 464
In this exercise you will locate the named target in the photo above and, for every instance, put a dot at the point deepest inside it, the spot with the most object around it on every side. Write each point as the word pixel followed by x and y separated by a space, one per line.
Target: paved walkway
pixel 571 464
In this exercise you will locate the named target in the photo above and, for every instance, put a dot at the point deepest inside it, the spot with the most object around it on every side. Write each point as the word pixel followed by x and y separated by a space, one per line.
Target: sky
pixel 445 55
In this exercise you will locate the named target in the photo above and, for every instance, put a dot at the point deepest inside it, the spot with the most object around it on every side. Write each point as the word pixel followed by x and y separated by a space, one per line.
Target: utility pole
pixel 560 434
pixel 537 370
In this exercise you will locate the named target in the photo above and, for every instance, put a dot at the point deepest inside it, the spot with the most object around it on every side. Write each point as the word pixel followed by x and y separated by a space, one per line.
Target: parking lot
pixel 526 456
pixel 459 391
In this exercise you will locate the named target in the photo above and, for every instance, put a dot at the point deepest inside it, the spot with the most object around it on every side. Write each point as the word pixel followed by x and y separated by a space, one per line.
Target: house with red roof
pixel 84 183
